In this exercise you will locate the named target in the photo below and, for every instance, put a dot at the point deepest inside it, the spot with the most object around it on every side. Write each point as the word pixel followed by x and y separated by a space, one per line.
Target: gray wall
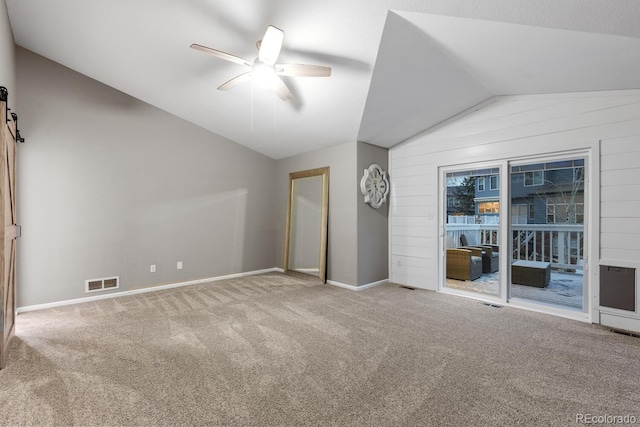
pixel 373 229
pixel 109 185
pixel 342 257
pixel 358 234
pixel 7 54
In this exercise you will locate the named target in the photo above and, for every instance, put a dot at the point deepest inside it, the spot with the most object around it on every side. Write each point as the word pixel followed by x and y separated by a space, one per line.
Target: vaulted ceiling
pixel 398 66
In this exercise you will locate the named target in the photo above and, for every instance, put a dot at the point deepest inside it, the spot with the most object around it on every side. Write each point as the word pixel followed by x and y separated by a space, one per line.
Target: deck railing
pixel 560 244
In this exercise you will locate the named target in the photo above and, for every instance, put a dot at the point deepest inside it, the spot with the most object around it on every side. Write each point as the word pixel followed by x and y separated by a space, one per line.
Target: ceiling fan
pixel 264 69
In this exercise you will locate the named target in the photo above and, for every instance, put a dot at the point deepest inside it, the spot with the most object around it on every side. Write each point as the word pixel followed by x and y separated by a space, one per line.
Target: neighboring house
pixel 543 193
pixel 548 193
pixel 453 201
pixel 487 197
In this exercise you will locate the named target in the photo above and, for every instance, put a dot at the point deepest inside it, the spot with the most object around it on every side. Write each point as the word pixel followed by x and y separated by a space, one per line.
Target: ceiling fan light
pixel 263 76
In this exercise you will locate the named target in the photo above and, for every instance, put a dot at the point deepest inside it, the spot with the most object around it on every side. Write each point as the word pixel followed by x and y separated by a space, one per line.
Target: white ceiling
pixel 399 66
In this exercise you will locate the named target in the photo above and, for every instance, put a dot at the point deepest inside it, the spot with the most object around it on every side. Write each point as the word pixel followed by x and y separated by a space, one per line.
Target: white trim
pixel 620 322
pixel 591 155
pixel 498 186
pixel 445 122
pixel 581 316
pixel 520 304
pixel 484 184
pixel 357 288
pixel 500 98
pixel 586 94
pixel 390 218
pixel 143 290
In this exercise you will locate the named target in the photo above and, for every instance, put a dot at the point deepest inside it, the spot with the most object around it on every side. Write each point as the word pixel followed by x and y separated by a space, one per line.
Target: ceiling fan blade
pixel 235 81
pixel 281 89
pixel 302 70
pixel 222 55
pixel 270 45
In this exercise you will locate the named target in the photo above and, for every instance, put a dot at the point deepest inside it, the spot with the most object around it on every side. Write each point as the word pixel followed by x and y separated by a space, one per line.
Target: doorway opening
pixel 517 237
pixel 547 233
pixel 472 230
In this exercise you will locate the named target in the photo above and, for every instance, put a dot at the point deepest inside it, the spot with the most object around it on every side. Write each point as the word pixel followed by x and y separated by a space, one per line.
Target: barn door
pixel 8 230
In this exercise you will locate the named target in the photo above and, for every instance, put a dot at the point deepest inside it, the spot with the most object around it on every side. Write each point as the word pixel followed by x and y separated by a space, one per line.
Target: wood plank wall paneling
pixel 533 123
pixel 620 199
pixel 510 127
pixel 620 193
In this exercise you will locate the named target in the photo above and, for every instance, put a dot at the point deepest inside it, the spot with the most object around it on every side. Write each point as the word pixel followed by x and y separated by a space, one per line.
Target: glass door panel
pixel 547 233
pixel 471 225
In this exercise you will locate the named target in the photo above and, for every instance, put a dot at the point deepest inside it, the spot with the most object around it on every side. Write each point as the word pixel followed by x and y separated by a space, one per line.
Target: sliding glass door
pixel 547 233
pixel 471 230
pixel 539 208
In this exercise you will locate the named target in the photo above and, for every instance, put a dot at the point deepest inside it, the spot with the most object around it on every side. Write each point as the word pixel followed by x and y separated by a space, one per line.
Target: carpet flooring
pixel 277 350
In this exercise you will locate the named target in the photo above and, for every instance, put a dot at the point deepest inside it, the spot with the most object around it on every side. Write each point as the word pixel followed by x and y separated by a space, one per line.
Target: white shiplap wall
pixel 620 201
pixel 512 127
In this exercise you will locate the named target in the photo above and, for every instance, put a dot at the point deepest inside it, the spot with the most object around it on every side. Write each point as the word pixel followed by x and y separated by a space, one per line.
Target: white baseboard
pixel 357 288
pixel 142 290
pixel 623 323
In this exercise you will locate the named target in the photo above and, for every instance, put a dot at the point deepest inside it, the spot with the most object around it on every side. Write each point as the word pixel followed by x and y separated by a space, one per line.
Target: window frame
pixel 533 174
pixel 481 183
pixel 494 179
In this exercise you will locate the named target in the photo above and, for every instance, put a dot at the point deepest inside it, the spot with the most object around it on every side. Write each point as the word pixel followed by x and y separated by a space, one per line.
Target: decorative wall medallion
pixel 374 185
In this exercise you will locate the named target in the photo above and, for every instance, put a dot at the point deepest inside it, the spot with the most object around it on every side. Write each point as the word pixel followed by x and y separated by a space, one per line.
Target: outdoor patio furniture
pixel 531 273
pixel 464 264
pixel 490 255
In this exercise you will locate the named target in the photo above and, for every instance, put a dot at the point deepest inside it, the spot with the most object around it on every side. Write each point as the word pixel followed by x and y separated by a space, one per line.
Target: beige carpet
pixel 276 350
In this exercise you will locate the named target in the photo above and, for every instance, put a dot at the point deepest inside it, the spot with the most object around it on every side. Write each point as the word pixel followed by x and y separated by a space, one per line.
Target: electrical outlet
pixel 179 265
pixel 152 269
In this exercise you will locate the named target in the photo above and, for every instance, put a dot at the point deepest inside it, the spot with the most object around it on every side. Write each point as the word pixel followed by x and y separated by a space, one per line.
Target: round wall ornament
pixel 374 185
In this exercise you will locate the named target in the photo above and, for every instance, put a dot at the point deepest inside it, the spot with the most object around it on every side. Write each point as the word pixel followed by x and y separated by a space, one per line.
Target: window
pixel 481 183
pixel 533 178
pixel 494 182
pixel 551 214
pixel 565 210
pixel 580 214
pixel 519 213
pixel 532 210
pixel 578 174
pixel 567 213
pixel 489 207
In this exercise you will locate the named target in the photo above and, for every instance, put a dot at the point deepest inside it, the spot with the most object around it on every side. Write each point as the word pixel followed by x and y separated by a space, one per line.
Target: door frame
pixel 591 155
pixel 587 287
pixel 500 298
pixel 8 233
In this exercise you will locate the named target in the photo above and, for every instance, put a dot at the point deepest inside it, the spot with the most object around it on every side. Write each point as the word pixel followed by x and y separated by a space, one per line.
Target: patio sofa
pixel 490 254
pixel 464 264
